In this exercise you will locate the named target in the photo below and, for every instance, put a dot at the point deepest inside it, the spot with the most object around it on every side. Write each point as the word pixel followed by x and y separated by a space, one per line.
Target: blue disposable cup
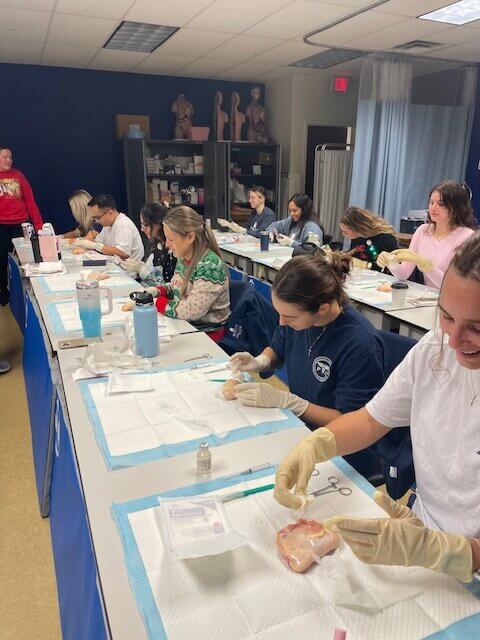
pixel 264 241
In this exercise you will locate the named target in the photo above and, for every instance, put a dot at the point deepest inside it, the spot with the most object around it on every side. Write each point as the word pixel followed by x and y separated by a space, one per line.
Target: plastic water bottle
pixel 145 324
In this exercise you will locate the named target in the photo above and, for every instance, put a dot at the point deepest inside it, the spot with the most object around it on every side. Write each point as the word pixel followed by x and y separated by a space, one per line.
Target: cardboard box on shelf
pixel 123 121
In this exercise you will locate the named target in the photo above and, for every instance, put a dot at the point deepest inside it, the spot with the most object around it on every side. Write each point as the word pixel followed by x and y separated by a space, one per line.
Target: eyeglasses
pixel 101 215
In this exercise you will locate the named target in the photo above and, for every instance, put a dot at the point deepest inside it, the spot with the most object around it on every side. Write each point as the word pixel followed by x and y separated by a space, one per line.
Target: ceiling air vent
pixel 417 44
pixel 139 36
pixel 328 58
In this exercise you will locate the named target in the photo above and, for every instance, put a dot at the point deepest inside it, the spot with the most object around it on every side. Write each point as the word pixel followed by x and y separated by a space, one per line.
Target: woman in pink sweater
pixel 450 221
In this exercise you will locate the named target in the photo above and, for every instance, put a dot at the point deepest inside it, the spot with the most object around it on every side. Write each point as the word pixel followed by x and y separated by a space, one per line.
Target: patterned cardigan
pixel 207 299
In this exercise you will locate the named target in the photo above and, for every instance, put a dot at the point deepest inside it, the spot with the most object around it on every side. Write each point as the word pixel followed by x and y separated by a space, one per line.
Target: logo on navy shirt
pixel 321 368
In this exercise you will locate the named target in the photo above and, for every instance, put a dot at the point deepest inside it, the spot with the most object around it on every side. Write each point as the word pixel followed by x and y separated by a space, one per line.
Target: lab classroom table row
pixel 245 257
pixel 96 595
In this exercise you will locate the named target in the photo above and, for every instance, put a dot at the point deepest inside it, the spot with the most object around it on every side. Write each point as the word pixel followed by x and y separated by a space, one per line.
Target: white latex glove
pixel 284 240
pixel 260 394
pixel 130 304
pixel 244 361
pixel 153 290
pixel 89 244
pixel 134 266
pixel 223 223
pixel 236 227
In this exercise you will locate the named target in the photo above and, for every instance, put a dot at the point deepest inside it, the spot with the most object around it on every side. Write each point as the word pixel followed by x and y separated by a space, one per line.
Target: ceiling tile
pixel 67 56
pixel 289 51
pixel 468 52
pixel 32 5
pixel 247 71
pixel 94 8
pixel 232 15
pixel 364 24
pixel 194 42
pixel 241 48
pixel 166 13
pixel 299 17
pixel 20 52
pixel 457 35
pixel 203 68
pixel 112 60
pixel 412 8
pixel 23 26
pixel 80 30
pixel 161 64
pixel 405 31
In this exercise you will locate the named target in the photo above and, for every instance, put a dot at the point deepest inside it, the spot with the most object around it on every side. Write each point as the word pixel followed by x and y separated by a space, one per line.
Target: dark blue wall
pixel 60 125
pixel 473 174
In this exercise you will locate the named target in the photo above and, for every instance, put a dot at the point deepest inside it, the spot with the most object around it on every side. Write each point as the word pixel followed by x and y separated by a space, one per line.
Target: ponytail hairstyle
pixel 457 198
pixel 312 280
pixel 365 223
pixel 466 259
pixel 78 201
pixel 184 220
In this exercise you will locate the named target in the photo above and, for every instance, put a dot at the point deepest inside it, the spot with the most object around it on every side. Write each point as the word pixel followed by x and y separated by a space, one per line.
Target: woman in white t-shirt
pixel 436 389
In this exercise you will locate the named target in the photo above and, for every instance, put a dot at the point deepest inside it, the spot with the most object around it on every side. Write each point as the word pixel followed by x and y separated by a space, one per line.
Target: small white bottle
pixel 204 458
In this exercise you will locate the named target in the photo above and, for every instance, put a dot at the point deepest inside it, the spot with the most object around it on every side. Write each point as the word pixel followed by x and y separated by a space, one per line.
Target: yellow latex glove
pixel 260 394
pixel 403 540
pixel 297 468
pixel 360 264
pixel 405 255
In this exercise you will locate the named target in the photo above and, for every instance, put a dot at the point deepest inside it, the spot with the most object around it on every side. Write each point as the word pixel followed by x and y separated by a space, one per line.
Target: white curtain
pixel 381 135
pixel 331 189
pixel 403 149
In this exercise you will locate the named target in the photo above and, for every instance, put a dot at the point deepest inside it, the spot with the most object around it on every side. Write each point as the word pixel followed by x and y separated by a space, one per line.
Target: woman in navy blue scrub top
pixel 333 355
pixel 261 216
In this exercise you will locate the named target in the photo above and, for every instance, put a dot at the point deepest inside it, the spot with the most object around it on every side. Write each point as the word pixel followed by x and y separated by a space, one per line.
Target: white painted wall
pixel 296 101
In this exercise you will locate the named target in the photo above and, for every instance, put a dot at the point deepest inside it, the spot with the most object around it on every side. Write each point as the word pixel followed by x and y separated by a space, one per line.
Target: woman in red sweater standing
pixel 17 205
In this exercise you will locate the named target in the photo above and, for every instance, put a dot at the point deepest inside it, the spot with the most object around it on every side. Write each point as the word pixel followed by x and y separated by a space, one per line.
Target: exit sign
pixel 339 84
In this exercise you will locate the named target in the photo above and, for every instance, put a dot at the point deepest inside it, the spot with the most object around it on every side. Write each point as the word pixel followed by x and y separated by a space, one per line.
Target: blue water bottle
pixel 145 324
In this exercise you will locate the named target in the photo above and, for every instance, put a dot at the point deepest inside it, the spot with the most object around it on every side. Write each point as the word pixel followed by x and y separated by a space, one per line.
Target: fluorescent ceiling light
pixel 138 36
pixel 456 13
pixel 328 58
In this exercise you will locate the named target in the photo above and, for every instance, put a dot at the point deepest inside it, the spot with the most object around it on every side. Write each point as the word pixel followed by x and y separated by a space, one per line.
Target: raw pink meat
pixel 301 542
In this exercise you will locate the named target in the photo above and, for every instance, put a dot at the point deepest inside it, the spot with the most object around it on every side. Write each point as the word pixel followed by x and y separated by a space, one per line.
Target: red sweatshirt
pixel 17 203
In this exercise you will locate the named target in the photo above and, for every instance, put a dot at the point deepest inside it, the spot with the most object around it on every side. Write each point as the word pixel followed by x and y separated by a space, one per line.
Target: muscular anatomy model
pixel 256 119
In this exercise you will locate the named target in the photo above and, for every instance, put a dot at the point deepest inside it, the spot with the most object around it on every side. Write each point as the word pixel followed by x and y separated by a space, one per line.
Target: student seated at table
pixel 260 218
pixel 158 264
pixel 334 356
pixel 301 221
pixel 450 221
pixel 78 202
pixel 119 236
pixel 436 389
pixel 369 235
pixel 199 289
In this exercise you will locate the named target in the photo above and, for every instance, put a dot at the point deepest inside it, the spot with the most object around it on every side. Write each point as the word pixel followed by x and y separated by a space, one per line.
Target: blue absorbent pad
pixel 170 450
pixel 464 629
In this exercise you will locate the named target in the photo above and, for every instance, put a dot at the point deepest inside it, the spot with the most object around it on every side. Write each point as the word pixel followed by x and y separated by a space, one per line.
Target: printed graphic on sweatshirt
pixel 10 188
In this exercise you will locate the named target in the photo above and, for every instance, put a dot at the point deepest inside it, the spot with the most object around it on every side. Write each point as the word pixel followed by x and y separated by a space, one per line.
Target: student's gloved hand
pixel 286 241
pixel 223 223
pixel 260 394
pixel 244 361
pixel 404 540
pixel 134 266
pixel 236 228
pixel 405 255
pixel 89 244
pixel 360 264
pixel 297 468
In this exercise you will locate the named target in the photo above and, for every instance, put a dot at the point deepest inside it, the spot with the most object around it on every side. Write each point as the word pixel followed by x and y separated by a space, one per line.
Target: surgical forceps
pixel 331 487
pixel 204 356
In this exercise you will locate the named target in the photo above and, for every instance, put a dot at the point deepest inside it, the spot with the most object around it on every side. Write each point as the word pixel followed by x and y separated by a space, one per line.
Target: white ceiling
pixel 230 39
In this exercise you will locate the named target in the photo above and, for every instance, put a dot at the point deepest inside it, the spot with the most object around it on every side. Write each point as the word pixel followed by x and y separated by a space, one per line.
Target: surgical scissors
pixel 332 488
pixel 204 356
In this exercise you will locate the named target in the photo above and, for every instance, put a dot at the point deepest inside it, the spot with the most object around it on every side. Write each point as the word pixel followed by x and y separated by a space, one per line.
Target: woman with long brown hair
pixel 450 221
pixel 198 291
pixel 369 234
